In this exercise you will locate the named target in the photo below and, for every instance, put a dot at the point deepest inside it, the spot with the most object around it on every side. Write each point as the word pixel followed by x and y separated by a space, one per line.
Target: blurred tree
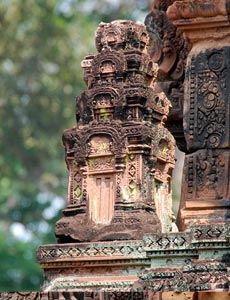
pixel 42 44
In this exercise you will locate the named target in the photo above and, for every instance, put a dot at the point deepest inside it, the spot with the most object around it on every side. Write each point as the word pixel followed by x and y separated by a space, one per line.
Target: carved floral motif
pixel 208 106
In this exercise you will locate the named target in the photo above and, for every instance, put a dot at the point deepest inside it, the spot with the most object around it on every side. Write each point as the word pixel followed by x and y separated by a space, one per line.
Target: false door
pixel 101 198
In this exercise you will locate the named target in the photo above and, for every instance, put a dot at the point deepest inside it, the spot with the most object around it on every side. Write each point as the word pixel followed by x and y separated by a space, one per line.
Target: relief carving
pixel 195 277
pixel 169 49
pixel 99 145
pixel 205 121
pixel 101 163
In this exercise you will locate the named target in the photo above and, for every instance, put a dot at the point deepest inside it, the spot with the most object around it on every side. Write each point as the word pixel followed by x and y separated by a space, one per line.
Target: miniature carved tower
pixel 120 156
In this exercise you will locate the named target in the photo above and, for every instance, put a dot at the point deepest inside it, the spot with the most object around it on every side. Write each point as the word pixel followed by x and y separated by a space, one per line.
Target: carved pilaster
pixel 205 195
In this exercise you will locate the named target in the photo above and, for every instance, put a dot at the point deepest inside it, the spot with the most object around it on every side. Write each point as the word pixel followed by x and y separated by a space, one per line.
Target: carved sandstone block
pixel 206 192
pixel 207 101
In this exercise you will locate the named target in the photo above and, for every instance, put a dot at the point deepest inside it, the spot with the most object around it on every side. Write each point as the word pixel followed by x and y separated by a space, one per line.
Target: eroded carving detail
pixel 85 250
pixel 169 50
pixel 206 110
pixel 195 277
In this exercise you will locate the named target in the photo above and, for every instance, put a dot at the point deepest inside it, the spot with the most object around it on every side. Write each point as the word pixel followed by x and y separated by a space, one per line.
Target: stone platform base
pixel 195 260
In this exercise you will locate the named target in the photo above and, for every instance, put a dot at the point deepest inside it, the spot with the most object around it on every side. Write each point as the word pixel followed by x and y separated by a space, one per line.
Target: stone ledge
pixel 202 252
pixel 119 295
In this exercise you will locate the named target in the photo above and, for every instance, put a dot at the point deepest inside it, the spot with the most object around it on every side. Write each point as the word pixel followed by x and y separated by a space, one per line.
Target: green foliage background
pixel 42 45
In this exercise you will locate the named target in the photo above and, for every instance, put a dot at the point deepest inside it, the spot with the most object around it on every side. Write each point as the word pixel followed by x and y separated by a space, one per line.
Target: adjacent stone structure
pixel 205 193
pixel 169 49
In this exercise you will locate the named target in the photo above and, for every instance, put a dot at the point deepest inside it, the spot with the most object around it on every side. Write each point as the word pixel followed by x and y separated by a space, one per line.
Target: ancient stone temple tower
pixel 120 156
pixel 115 238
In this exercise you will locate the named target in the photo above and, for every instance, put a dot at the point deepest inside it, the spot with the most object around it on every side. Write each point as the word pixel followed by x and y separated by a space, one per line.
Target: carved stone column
pixel 206 179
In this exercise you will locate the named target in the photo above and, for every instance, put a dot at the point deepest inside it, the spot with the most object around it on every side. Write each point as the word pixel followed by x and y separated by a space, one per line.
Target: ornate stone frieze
pixel 196 277
pixel 195 260
pixel 71 252
pixel 169 242
pixel 119 294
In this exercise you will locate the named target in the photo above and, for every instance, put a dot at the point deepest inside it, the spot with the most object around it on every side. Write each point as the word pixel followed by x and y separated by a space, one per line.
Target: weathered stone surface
pixel 169 50
pixel 189 9
pixel 210 17
pixel 121 295
pixel 206 109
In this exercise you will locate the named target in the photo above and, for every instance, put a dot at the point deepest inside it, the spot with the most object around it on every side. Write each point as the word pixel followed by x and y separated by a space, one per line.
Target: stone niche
pixel 101 180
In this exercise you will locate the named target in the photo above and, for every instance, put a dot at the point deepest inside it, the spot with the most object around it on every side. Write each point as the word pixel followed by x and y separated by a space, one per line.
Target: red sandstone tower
pixel 120 156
